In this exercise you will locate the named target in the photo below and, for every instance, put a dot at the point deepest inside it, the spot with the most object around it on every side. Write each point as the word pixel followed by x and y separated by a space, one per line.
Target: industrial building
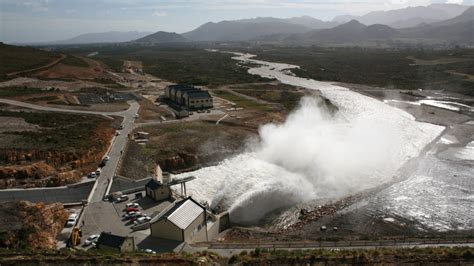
pixel 157 190
pixel 188 96
pixel 183 221
pixel 110 242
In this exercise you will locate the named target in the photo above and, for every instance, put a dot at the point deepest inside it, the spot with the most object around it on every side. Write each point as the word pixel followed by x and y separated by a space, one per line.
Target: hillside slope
pixel 162 37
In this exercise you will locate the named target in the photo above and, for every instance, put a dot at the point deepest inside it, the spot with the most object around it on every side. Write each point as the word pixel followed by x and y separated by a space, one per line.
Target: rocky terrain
pixel 24 224
pixel 49 150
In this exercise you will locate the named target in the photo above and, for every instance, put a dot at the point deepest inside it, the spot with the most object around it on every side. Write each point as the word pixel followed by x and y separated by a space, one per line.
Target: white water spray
pixel 313 154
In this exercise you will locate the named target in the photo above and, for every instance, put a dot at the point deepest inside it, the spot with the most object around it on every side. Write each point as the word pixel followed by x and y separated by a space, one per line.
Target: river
pixel 313 154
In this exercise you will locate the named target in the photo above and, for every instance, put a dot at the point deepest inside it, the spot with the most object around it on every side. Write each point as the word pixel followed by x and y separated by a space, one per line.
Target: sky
pixel 51 20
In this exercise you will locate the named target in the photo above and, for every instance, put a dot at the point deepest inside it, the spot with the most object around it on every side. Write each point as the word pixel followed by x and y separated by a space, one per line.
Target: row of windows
pixel 201 101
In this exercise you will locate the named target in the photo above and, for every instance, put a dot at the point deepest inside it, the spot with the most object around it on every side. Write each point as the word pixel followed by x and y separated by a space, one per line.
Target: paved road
pixel 98 211
pixel 125 113
pixel 229 249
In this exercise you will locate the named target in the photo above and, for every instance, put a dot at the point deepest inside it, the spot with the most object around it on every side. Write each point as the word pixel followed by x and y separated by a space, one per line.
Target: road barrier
pixel 336 244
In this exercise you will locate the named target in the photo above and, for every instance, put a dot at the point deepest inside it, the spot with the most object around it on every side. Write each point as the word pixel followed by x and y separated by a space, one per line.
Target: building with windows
pixel 188 96
pixel 183 221
pixel 157 190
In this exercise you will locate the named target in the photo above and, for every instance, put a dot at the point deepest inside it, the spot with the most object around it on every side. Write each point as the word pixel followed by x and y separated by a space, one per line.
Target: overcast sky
pixel 50 20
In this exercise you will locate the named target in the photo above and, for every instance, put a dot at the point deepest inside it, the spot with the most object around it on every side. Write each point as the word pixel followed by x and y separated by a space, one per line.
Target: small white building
pixel 183 221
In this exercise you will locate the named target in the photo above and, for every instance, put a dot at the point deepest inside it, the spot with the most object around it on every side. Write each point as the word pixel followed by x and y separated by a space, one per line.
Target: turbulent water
pixel 313 154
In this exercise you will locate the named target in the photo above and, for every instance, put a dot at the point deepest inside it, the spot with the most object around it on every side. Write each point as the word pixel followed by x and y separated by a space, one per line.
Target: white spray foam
pixel 313 155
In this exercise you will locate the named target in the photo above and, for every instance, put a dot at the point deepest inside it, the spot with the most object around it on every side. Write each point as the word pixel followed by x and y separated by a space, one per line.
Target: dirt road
pixel 37 68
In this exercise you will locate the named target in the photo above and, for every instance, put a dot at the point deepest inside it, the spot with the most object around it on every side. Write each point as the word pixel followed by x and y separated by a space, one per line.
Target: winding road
pixel 96 214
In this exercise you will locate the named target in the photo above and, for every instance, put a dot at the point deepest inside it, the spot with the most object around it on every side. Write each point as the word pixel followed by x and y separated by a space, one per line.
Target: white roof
pixel 185 214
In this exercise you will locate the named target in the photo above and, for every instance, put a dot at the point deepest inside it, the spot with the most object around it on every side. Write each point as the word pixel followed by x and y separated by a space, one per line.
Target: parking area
pixel 144 207
pixel 110 217
pixel 95 98
pixel 63 236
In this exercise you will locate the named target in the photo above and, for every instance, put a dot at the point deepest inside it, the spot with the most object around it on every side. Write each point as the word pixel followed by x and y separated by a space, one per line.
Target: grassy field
pixel 287 96
pixel 15 58
pixel 378 256
pixel 71 60
pixel 241 101
pixel 377 67
pixel 59 132
pixel 18 91
pixel 193 142
pixel 178 63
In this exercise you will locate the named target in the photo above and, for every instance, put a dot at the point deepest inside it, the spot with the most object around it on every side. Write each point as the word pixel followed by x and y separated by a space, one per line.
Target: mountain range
pixel 444 22
pixel 407 17
pixel 162 37
pixel 104 37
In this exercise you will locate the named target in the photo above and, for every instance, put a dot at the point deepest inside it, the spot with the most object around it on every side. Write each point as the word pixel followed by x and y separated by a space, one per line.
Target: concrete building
pixel 197 99
pixel 157 190
pixel 188 96
pixel 114 243
pixel 184 221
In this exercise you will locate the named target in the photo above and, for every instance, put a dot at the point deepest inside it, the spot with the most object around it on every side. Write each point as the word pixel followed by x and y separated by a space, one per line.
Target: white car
pixel 131 214
pixel 106 158
pixel 149 251
pixel 71 221
pixel 91 240
pixel 136 115
pixel 143 219
pixel 97 172
pixel 132 205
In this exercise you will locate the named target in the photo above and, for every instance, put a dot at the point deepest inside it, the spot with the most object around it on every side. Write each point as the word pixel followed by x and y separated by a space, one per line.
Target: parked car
pixel 122 198
pixel 106 158
pixel 136 115
pixel 149 251
pixel 143 219
pixel 132 205
pixel 131 209
pixel 102 164
pixel 323 228
pixel 132 214
pixel 92 175
pixel 117 133
pixel 97 172
pixel 91 240
pixel 71 221
pixel 120 127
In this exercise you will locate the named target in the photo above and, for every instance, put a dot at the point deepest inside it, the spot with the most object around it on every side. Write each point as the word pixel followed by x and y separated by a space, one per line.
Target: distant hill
pixel 352 31
pixel 407 17
pixel 105 37
pixel 459 29
pixel 466 16
pixel 162 37
pixel 243 30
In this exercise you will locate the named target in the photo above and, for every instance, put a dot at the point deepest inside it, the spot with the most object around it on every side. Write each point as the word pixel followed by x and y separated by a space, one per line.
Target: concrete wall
pixel 107 248
pixel 220 223
pixel 162 193
pixel 191 234
pixel 198 103
pixel 128 245
pixel 167 230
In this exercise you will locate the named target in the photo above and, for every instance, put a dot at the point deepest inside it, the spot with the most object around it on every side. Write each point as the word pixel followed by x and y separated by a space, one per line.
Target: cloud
pixel 459 2
pixel 159 13
pixel 37 6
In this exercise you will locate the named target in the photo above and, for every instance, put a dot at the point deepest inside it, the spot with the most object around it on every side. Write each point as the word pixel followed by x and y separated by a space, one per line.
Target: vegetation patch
pixel 180 63
pixel 71 60
pixel 16 58
pixel 379 67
